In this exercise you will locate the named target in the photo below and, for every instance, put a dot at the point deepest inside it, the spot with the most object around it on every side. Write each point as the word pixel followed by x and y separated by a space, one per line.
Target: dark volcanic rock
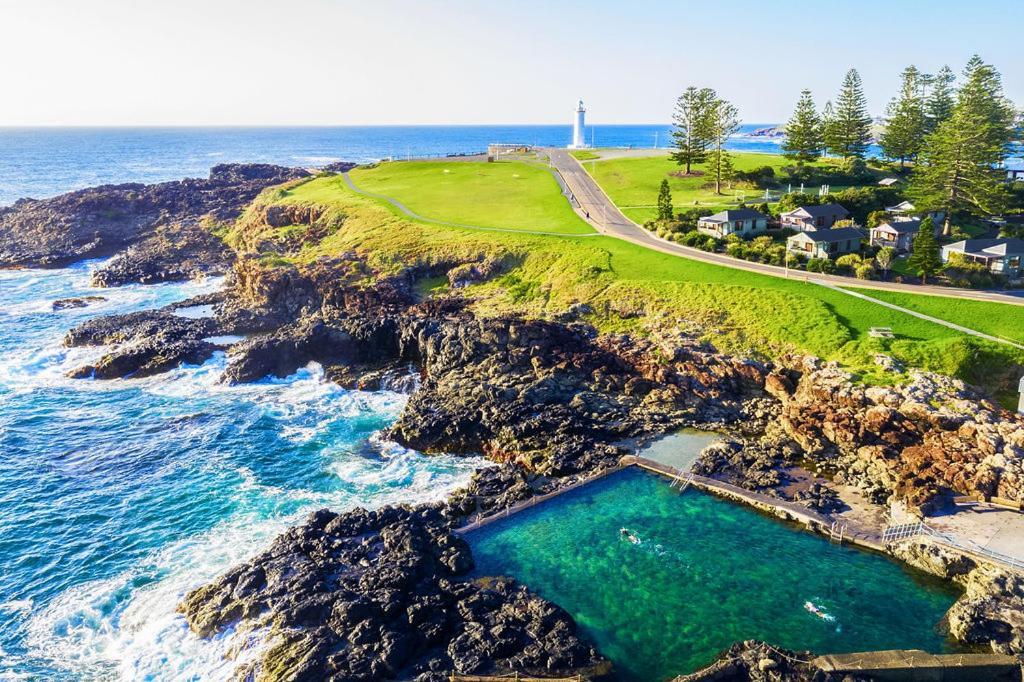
pixel 370 595
pixel 76 302
pixel 101 221
pixel 170 253
pixel 145 343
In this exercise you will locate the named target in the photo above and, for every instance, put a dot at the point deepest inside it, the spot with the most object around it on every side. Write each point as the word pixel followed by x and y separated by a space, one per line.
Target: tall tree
pixel 941 99
pixel 803 131
pixel 692 134
pixel 925 258
pixel 828 123
pixel 959 169
pixel 724 121
pixel 664 201
pixel 905 128
pixel 849 134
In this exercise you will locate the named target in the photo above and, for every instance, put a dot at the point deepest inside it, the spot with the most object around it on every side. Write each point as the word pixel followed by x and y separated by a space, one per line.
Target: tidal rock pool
pixel 664 581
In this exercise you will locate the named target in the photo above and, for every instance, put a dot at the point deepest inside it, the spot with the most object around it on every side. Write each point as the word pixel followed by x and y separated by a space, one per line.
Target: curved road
pixel 596 207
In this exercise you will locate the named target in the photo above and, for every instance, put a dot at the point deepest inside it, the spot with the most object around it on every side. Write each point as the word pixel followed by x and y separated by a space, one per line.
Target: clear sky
pixel 255 62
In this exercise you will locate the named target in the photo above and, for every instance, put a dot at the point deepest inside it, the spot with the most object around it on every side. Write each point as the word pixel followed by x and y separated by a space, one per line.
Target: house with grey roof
pixel 826 243
pixel 808 218
pixel 742 221
pixel 899 234
pixel 1001 256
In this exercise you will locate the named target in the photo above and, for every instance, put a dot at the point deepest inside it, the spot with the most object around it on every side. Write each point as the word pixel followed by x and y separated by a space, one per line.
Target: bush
pixel 692 238
pixel 876 218
pixel 848 262
pixel 736 249
pixel 814 265
pixel 865 271
pixel 828 267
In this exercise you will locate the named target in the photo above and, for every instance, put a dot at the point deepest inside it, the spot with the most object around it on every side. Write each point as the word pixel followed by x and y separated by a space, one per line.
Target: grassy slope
pixel 508 194
pixel 1004 321
pixel 633 182
pixel 632 288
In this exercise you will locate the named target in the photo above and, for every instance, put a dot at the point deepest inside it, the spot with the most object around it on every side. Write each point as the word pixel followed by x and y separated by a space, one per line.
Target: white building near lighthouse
pixel 579 128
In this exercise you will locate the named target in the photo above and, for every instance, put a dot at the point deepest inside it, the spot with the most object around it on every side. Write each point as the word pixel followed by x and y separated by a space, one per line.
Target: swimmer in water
pixel 629 535
pixel 816 610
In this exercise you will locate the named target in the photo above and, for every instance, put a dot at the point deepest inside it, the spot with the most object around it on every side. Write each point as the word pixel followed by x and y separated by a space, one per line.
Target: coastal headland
pixel 554 356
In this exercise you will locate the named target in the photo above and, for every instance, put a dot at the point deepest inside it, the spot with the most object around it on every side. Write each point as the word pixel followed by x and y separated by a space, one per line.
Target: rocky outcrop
pixel 753 661
pixel 143 344
pixel 991 610
pixel 161 221
pixel 914 443
pixel 76 302
pixel 372 595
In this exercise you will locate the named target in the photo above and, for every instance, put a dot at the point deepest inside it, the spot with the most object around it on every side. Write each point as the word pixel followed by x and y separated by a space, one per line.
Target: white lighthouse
pixel 578 128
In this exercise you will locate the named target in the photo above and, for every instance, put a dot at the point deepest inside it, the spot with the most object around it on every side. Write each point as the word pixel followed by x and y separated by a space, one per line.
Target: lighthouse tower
pixel 578 128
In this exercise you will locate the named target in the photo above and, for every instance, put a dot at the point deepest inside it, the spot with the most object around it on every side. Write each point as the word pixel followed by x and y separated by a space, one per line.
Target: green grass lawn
pixel 584 155
pixel 631 288
pixel 1003 321
pixel 633 183
pixel 508 194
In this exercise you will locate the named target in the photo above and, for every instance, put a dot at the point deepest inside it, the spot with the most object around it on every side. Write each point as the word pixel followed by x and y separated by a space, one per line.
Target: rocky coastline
pixel 385 594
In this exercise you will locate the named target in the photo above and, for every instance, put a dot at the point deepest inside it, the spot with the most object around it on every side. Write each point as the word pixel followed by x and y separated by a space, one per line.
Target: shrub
pixel 848 262
pixel 736 249
pixel 865 271
pixel 814 265
pixel 828 267
pixel 876 218
pixel 692 238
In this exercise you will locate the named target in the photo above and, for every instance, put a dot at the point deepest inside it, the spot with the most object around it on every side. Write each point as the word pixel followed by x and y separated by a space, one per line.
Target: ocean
pixel 43 162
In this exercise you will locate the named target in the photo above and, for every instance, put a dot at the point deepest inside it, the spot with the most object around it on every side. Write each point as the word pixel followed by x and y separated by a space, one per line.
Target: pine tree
pixel 665 201
pixel 724 121
pixel 958 167
pixel 925 259
pixel 803 131
pixel 692 134
pixel 828 124
pixel 905 129
pixel 941 99
pixel 849 133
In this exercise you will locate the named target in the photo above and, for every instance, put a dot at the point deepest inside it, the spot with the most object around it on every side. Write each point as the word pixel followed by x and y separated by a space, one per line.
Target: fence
pixel 905 531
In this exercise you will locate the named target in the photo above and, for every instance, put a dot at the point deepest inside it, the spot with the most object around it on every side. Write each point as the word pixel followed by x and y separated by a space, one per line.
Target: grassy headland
pixel 508 195
pixel 630 288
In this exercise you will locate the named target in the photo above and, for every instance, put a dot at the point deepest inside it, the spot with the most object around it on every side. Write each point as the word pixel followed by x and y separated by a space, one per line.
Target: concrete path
pixel 599 209
pixel 413 214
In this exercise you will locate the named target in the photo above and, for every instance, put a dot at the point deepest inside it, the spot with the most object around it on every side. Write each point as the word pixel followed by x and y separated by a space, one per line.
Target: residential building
pixel 742 221
pixel 899 234
pixel 1001 256
pixel 807 218
pixel 826 243
pixel 907 210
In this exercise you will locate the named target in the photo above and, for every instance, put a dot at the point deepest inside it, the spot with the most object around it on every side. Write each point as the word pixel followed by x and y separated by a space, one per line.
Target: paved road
pixel 595 206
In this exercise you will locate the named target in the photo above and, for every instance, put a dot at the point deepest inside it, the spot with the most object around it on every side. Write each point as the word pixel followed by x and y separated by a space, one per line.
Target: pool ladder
pixel 682 481
pixel 837 531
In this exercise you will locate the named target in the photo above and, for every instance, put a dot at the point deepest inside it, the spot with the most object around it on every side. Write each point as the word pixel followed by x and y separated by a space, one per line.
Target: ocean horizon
pixel 42 162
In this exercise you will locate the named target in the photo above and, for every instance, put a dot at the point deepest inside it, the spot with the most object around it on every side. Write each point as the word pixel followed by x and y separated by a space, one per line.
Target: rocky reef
pixel 159 232
pixel 370 595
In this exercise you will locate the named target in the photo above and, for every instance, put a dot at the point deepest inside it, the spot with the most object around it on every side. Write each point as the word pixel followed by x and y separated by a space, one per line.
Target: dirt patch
pixel 684 174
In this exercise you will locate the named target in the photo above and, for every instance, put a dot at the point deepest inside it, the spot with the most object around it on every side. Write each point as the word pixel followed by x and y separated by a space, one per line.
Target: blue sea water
pixel 117 497
pixel 43 162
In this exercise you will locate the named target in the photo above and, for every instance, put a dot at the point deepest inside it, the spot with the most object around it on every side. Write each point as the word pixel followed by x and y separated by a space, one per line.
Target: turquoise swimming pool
pixel 662 582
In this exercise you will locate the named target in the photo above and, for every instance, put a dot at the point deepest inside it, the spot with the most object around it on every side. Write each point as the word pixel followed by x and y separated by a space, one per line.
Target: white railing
pixel 905 531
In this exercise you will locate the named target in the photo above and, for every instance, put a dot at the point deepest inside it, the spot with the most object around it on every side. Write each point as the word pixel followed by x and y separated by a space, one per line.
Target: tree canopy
pixel 959 169
pixel 848 131
pixel 803 131
pixel 906 123
pixel 692 134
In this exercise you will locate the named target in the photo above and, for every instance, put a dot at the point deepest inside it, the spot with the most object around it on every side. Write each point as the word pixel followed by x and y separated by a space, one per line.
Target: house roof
pixel 903 226
pixel 902 206
pixel 887 182
pixel 734 214
pixel 819 211
pixel 989 247
pixel 839 234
